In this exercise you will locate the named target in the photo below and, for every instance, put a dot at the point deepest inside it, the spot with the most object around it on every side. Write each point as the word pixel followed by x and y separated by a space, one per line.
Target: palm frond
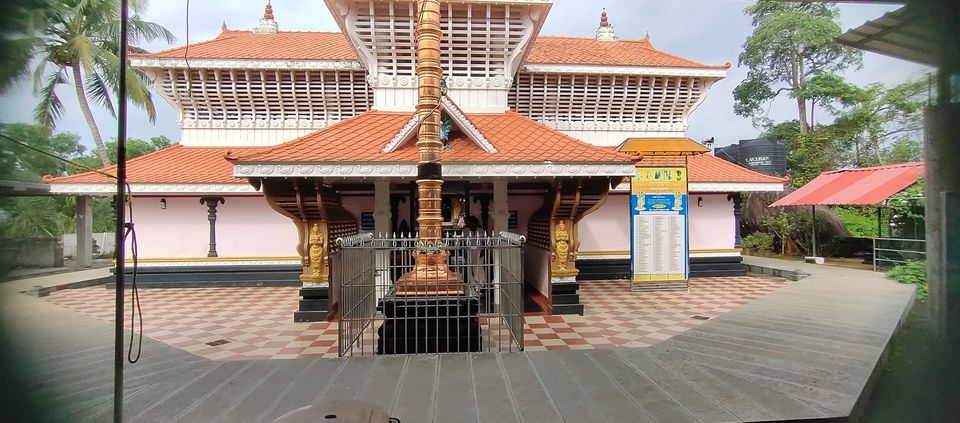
pixel 50 108
pixel 99 91
pixel 83 50
pixel 139 30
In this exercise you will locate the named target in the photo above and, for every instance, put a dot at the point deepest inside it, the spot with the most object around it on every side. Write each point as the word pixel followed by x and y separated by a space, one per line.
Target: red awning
pixel 865 186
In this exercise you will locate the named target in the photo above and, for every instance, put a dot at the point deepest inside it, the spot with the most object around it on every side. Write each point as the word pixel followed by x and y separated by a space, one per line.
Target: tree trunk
pixel 802 109
pixel 85 108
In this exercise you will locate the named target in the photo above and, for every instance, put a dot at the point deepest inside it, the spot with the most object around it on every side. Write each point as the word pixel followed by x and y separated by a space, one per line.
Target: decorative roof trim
pixel 404 135
pixel 709 187
pixel 624 70
pixel 468 128
pixel 450 170
pixel 169 62
pixel 735 186
pixel 166 188
pixel 459 118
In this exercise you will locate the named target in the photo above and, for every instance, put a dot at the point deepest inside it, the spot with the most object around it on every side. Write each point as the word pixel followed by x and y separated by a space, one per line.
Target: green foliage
pixel 758 241
pixel 135 148
pixel 910 202
pixel 792 50
pixel 914 273
pixel 18 28
pixel 860 221
pixel 79 42
pixel 903 151
pixel 787 226
pixel 19 163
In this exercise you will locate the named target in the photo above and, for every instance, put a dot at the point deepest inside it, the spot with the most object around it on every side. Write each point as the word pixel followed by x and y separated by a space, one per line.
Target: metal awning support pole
pixel 813 230
pixel 121 219
pixel 879 221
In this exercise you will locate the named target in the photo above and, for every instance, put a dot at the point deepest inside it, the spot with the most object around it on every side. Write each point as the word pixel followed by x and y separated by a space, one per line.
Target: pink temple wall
pixel 712 224
pixel 607 228
pixel 246 227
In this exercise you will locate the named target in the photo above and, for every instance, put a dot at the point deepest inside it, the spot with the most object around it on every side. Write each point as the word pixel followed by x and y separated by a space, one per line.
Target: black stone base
pixel 699 267
pixel 314 305
pixel 430 325
pixel 206 276
pixel 564 298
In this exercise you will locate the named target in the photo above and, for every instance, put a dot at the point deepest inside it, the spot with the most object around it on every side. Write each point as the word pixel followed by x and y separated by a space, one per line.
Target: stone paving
pixel 257 322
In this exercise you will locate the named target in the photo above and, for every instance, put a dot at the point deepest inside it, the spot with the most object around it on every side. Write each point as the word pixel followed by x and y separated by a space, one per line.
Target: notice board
pixel 658 210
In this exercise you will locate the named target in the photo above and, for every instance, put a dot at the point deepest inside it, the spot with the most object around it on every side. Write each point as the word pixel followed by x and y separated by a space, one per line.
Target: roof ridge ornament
pixel 605 32
pixel 267 24
pixel 457 117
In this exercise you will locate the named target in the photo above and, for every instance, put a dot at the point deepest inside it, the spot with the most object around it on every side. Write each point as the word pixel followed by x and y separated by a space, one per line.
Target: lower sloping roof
pixel 863 186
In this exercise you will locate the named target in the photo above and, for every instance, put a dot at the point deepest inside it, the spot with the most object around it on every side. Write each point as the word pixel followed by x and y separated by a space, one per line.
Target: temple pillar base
pixel 314 304
pixel 440 324
pixel 564 295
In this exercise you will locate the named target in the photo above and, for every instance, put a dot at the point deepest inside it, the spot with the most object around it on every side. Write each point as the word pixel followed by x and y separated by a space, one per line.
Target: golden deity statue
pixel 562 247
pixel 316 250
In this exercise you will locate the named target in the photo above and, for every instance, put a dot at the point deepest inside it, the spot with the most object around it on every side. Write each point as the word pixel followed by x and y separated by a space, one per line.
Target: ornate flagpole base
pixel 430 276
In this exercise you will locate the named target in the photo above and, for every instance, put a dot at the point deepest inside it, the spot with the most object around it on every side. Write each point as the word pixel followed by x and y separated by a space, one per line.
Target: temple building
pixel 291 139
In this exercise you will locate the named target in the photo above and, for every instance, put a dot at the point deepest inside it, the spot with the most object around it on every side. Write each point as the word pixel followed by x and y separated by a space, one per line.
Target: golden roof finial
pixel 268 12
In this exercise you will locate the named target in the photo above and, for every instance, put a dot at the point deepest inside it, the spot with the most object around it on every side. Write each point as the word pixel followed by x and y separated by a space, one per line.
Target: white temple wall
pixel 613 138
pixel 712 223
pixel 606 231
pixel 246 228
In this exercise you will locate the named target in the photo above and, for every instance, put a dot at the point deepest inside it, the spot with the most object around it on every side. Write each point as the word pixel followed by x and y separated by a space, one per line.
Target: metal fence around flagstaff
pixel 487 315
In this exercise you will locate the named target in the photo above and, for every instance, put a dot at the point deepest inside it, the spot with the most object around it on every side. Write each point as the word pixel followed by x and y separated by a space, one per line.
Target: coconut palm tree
pixel 80 44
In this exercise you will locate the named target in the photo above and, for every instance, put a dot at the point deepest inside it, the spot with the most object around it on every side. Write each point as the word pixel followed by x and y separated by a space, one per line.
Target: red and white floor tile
pixel 257 323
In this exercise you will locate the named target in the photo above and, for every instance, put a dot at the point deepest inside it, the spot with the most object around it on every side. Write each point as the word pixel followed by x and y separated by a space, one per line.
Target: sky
pixel 707 31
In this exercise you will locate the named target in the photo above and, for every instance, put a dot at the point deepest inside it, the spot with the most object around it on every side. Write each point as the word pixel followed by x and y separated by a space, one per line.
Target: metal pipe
pixel 121 218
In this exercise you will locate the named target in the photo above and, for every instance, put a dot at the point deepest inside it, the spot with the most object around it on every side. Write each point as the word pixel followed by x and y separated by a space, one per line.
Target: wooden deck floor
pixel 804 352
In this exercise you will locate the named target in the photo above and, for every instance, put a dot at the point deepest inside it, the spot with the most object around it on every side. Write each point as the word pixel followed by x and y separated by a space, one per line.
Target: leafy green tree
pixel 18 28
pixel 22 164
pixel 80 43
pixel 876 118
pixel 792 50
pixel 135 148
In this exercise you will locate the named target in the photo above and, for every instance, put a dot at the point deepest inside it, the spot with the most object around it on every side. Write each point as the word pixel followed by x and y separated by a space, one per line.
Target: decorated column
pixel 211 203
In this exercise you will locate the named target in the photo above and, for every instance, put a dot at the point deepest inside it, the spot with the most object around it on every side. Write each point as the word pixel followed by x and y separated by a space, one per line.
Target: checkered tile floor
pixel 257 322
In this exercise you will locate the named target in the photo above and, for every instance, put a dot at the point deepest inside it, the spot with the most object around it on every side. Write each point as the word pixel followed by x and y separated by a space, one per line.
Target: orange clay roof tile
pixel 361 139
pixel 292 45
pixel 233 44
pixel 173 165
pixel 589 51
pixel 710 168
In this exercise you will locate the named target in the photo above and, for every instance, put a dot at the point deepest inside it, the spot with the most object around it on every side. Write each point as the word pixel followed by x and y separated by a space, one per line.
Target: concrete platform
pixel 807 351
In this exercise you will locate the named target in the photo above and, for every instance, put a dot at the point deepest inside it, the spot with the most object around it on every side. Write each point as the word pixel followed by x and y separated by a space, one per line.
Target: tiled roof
pixel 173 165
pixel 861 186
pixel 589 51
pixel 362 138
pixel 231 44
pixel 663 146
pixel 709 168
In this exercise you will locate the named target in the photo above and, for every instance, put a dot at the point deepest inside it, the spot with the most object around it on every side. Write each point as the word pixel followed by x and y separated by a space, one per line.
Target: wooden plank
pixel 692 400
pixel 305 389
pixel 382 385
pixel 608 396
pixel 786 406
pixel 455 400
pixel 656 403
pixel 494 403
pixel 220 401
pixel 183 399
pixel 414 402
pixel 267 392
pixel 573 402
pixel 533 402
pixel 732 400
pixel 349 380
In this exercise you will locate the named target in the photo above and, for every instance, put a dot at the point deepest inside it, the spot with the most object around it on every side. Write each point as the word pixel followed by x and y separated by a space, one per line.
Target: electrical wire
pixel 129 231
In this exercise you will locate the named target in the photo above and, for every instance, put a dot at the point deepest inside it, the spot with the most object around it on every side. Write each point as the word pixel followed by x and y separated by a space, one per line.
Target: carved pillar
pixel 211 203
pixel 315 209
pixel 737 216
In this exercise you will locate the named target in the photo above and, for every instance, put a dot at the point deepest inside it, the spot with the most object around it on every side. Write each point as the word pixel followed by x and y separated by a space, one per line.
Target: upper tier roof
pixel 291 45
pixel 362 138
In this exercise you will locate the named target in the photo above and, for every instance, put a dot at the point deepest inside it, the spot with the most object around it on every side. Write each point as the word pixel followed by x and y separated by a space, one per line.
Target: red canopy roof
pixel 864 186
